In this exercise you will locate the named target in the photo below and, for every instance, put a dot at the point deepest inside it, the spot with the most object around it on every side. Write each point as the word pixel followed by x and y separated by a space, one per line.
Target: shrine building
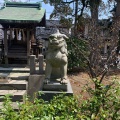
pixel 19 21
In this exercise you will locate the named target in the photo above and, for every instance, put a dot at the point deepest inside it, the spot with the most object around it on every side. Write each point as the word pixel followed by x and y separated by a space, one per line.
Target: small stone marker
pixel 32 64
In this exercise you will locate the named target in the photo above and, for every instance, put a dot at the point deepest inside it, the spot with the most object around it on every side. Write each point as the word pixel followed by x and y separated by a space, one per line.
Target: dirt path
pixel 80 80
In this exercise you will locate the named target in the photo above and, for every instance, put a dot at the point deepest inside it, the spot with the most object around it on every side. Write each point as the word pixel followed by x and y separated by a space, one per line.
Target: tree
pixel 73 10
pixel 67 10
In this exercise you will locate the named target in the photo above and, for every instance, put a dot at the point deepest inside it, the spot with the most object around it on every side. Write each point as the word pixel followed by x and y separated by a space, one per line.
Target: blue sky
pixel 49 8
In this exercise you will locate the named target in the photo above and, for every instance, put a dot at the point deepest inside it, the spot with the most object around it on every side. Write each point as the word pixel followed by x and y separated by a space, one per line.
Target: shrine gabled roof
pixel 13 12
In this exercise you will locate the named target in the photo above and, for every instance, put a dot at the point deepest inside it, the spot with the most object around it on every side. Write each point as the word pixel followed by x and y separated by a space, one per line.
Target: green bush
pixel 77 51
pixel 59 108
pixel 103 104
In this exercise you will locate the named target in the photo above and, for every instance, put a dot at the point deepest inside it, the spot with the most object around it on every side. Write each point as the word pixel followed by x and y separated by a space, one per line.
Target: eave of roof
pixel 21 13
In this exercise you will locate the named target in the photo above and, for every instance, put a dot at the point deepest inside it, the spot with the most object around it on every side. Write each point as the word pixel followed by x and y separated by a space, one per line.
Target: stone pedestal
pixel 55 88
pixel 36 84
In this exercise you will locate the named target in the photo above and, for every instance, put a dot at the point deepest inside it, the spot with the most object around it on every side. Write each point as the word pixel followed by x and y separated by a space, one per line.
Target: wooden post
pixel 32 37
pixel 10 37
pixel 5 46
pixel 28 46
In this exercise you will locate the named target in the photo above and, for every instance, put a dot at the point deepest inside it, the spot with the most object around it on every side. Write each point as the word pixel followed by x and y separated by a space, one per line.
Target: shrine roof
pixel 14 12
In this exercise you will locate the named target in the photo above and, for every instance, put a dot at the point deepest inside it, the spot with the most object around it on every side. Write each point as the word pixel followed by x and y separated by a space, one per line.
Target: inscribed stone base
pixel 54 86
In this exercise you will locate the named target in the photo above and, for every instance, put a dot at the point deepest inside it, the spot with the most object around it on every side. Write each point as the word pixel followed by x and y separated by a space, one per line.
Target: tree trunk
pixel 118 8
pixel 94 14
pixel 76 17
pixel 94 5
pixel 116 24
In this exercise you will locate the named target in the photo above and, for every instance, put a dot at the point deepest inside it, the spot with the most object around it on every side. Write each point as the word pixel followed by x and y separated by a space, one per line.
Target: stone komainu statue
pixel 56 57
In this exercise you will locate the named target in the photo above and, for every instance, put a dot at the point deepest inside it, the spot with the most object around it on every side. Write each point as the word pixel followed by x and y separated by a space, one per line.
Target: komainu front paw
pixel 64 81
pixel 46 81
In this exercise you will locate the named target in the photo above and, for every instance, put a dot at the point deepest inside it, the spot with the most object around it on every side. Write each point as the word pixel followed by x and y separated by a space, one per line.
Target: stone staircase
pixel 14 81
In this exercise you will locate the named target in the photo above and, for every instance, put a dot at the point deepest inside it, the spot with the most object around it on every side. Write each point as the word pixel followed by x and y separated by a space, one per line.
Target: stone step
pixel 19 76
pixel 15 76
pixel 17 51
pixel 13 84
pixel 15 65
pixel 15 69
pixel 17 55
pixel 15 95
pixel 14 105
